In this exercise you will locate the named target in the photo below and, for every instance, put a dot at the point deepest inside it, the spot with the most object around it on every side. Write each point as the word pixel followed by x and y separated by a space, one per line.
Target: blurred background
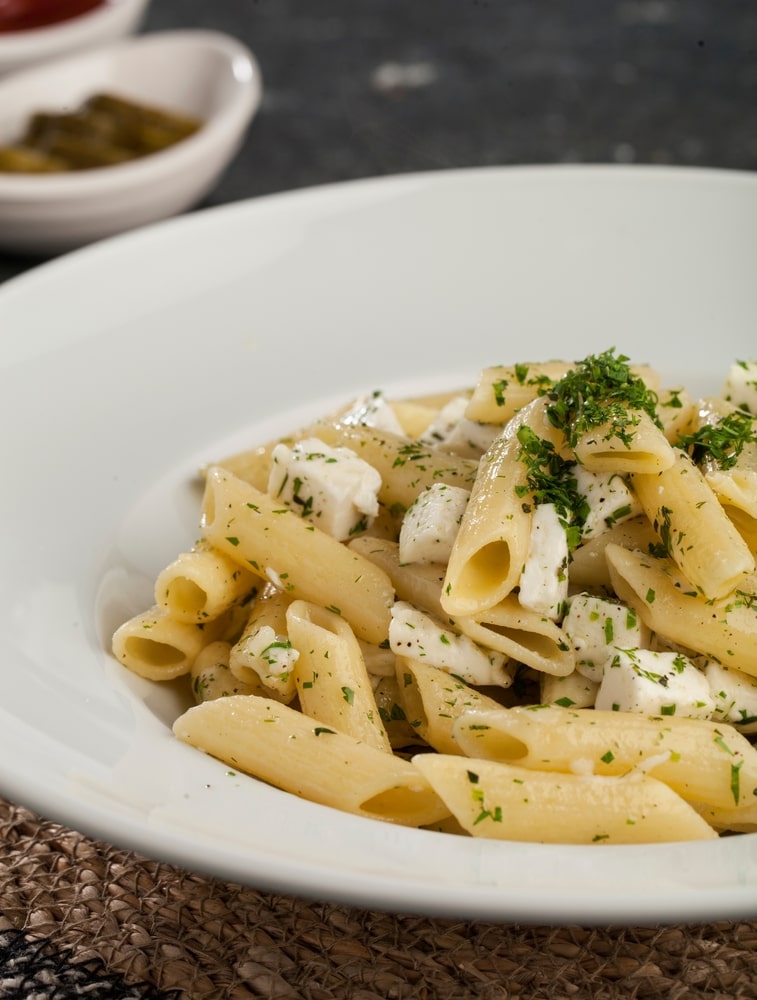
pixel 374 87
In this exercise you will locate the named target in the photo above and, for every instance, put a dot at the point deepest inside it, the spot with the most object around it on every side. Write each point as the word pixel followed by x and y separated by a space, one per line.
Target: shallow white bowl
pixel 202 73
pixel 115 19
pixel 129 364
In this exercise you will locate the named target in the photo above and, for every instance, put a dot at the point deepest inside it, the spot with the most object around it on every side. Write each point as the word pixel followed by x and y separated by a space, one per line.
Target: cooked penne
pixel 287 749
pixel 492 543
pixel 522 635
pixel 505 802
pixel 432 699
pixel 694 528
pixel 250 527
pixel 670 606
pixel 418 583
pixel 332 681
pixel 702 761
pixel 503 390
pixel 158 647
pixel 201 584
pixel 588 565
pixel 211 677
pixel 642 447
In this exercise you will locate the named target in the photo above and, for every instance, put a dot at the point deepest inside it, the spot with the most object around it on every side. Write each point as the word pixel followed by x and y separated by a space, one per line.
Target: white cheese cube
pixel 445 421
pixel 544 578
pixel 419 636
pixel 735 695
pixel 609 499
pixel 373 411
pixel 595 626
pixel 272 657
pixel 333 487
pixel 572 691
pixel 431 523
pixel 453 431
pixel 740 386
pixel 652 683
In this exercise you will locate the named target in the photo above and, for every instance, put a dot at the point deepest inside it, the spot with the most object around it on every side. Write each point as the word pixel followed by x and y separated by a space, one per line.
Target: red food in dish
pixel 23 15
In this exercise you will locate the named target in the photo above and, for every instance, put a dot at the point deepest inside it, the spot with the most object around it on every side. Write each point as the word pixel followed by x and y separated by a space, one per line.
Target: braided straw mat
pixel 81 919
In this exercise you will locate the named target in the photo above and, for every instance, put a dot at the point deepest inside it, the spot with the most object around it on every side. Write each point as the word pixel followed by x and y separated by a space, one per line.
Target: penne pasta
pixel 522 635
pixel 156 646
pixel 287 749
pixel 201 584
pixel 641 448
pixel 694 528
pixel 211 677
pixel 504 802
pixel 725 629
pixel 702 761
pixel 492 543
pixel 251 528
pixel 332 681
pixel 432 699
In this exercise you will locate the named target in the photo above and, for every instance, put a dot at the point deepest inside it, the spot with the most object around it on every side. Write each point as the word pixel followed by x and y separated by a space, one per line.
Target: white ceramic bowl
pixel 113 20
pixel 206 74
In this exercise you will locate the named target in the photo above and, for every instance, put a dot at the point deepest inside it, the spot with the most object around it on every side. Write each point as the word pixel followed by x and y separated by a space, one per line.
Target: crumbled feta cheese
pixel 272 657
pixel 452 430
pixel 653 683
pixel 740 386
pixel 544 578
pixel 735 695
pixel 431 523
pixel 609 499
pixel 333 487
pixel 419 636
pixel 572 691
pixel 373 411
pixel 595 626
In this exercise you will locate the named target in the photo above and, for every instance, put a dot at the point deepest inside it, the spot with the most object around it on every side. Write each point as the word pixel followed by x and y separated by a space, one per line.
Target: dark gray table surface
pixel 357 88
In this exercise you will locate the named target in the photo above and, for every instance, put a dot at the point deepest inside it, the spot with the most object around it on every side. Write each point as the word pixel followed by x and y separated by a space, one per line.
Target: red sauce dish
pixel 25 15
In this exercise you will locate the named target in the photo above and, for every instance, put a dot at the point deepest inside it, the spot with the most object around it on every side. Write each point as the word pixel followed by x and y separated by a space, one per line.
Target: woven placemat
pixel 79 918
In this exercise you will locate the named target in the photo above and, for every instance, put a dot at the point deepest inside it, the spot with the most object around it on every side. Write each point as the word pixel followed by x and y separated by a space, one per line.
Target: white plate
pixel 126 364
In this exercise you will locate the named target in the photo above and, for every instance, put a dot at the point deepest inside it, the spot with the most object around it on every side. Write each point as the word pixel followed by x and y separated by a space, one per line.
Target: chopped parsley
pixel 600 390
pixel 721 442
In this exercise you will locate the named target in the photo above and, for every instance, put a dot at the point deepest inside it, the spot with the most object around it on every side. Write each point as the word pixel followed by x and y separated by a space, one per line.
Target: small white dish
pixel 112 20
pixel 205 74
pixel 127 365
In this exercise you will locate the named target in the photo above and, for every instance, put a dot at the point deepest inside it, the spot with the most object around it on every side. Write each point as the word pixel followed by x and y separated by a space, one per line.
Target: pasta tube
pixel 643 449
pixel 693 527
pixel 522 635
pixel 725 629
pixel 202 584
pixel 502 390
pixel 420 584
pixel 504 802
pixel 156 646
pixel 287 749
pixel 294 555
pixel 701 761
pixel 432 699
pixel 211 677
pixel 332 682
pixel 492 543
